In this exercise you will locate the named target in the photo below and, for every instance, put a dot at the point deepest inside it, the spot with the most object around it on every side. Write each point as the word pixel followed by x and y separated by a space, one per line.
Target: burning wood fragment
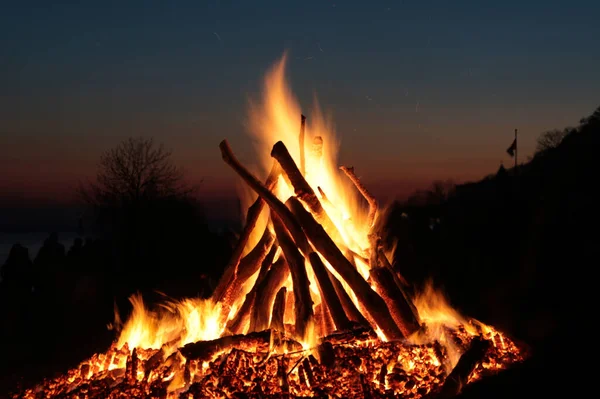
pixel 372 302
pixel 251 219
pixel 278 310
pixel 303 311
pixel 458 377
pixel 373 206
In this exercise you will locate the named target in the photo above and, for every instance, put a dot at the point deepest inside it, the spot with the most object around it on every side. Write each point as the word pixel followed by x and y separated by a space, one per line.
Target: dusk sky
pixel 418 90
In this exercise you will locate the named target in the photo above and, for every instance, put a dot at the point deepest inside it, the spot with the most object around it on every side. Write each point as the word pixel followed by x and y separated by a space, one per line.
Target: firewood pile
pixel 309 305
pixel 364 339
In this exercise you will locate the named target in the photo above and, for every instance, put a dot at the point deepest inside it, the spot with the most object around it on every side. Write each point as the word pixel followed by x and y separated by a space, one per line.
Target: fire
pixel 175 324
pixel 309 305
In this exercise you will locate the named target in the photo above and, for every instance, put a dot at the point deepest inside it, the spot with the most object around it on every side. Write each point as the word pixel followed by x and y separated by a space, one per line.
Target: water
pixel 33 241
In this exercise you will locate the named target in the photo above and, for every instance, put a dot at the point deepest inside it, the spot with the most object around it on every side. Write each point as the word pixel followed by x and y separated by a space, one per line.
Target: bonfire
pixel 310 303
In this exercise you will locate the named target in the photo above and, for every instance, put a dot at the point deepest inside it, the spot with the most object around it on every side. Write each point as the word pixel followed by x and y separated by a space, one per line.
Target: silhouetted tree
pixel 550 139
pixel 135 170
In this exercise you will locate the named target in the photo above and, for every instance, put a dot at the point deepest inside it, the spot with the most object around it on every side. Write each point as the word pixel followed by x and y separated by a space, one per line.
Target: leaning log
pixel 369 299
pixel 349 307
pixel 304 191
pixel 248 266
pixel 278 313
pixel 266 293
pixel 365 193
pixel 459 376
pixel 251 219
pixel 397 302
pixel 243 315
pixel 328 294
pixel 303 304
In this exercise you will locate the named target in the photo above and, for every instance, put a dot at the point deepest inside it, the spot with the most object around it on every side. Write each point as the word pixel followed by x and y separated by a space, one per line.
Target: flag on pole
pixel 512 148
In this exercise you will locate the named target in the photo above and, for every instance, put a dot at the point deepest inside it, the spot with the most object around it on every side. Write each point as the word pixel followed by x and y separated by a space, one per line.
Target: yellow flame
pixel 176 323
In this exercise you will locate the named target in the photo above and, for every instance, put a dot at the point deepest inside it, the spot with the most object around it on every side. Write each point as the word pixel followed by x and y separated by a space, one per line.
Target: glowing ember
pixel 309 305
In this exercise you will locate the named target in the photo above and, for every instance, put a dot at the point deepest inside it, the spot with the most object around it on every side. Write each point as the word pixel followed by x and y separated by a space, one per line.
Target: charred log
pixel 458 377
pixel 255 341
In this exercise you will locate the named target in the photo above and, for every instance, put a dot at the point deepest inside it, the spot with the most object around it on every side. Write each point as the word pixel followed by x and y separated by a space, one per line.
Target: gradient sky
pixel 418 90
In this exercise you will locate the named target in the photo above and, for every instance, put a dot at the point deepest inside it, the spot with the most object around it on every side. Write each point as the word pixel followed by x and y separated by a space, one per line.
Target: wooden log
pixel 266 293
pixel 399 306
pixel 369 299
pixel 349 307
pixel 304 191
pixel 373 206
pixel 458 377
pixel 278 311
pixel 254 341
pixel 303 304
pixel 264 192
pixel 242 316
pixel 326 324
pixel 251 219
pixel 247 267
pixel 301 143
pixel 328 294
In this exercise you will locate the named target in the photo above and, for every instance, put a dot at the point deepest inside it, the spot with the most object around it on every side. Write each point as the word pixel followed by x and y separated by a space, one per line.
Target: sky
pixel 417 90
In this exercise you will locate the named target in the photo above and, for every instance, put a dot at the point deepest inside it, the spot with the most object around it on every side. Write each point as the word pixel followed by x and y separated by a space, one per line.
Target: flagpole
pixel 516 151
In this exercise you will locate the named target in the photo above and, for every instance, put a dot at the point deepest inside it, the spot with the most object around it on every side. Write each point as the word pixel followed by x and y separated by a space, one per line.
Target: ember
pixel 308 306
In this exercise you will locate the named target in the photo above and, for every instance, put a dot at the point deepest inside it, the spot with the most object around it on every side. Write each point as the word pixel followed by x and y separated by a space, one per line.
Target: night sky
pixel 418 90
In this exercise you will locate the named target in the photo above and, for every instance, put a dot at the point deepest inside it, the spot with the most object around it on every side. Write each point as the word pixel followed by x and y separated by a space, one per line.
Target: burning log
pixel 236 324
pixel 303 190
pixel 278 311
pixel 365 193
pixel 372 302
pixel 328 293
pixel 303 311
pixel 349 307
pixel 250 264
pixel 459 376
pixel 399 306
pixel 251 219
pixel 266 294
pixel 255 341
pixel 301 144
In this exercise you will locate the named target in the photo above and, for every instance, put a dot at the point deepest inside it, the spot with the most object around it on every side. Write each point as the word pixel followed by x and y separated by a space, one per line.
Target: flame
pixel 176 323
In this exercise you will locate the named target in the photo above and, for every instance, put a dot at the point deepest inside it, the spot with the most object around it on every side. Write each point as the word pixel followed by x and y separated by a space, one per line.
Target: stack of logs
pixel 304 232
